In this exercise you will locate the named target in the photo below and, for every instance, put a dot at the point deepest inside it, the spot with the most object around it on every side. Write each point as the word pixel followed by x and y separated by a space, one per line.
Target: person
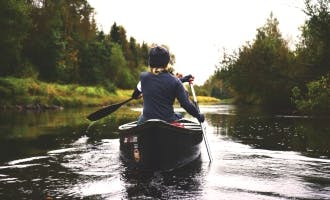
pixel 160 88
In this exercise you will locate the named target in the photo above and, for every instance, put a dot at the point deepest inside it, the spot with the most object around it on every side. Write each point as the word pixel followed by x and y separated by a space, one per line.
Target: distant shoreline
pixel 30 94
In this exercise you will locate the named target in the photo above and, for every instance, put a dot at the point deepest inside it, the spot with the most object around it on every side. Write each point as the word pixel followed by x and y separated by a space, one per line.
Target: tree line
pixel 268 72
pixel 58 41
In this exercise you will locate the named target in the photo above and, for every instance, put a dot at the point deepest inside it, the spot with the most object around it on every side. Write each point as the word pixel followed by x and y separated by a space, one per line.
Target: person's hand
pixel 200 118
pixel 136 94
pixel 179 75
pixel 187 78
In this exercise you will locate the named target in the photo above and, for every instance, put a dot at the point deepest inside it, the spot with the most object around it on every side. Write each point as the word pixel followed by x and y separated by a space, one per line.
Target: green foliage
pixel 217 87
pixel 117 63
pixel 57 41
pixel 259 72
pixel 94 60
pixel 314 48
pixel 119 72
pixel 317 98
pixel 15 24
pixel 89 91
pixel 25 91
pixel 313 56
pixel 109 86
pixel 200 90
pixel 118 35
pixel 267 72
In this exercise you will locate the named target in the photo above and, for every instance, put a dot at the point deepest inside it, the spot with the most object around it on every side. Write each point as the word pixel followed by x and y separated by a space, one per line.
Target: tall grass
pixel 25 91
pixel 18 91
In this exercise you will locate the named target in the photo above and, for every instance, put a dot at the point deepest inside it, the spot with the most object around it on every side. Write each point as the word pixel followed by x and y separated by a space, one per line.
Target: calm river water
pixel 60 155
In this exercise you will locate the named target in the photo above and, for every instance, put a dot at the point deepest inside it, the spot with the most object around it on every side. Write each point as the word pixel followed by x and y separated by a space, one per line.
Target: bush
pixel 317 98
pixel 24 91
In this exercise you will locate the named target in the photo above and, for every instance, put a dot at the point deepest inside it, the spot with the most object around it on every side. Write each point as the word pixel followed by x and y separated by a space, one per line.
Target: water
pixel 59 155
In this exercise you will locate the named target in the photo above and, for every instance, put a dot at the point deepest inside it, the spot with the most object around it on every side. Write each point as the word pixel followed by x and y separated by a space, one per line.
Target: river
pixel 257 155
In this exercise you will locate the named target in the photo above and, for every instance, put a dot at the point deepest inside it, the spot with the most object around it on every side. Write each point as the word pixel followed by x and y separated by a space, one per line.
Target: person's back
pixel 159 93
pixel 160 89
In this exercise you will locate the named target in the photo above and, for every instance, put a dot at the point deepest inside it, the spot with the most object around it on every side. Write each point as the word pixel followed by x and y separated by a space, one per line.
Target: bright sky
pixel 198 31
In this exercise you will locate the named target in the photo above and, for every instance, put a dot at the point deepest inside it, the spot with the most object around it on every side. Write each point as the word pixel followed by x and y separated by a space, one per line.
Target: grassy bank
pixel 22 92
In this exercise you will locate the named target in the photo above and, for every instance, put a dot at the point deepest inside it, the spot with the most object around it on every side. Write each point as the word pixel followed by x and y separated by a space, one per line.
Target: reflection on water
pixel 256 156
pixel 264 174
pixel 307 135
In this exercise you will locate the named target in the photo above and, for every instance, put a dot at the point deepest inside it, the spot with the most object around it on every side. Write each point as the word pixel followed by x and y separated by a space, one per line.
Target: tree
pixel 313 56
pixel 317 98
pixel 15 25
pixel 57 41
pixel 260 72
pixel 94 61
pixel 60 29
pixel 46 47
pixel 313 52
pixel 118 71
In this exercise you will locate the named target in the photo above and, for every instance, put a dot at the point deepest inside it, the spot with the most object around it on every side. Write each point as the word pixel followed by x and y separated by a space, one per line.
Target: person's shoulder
pixel 174 79
pixel 144 74
pixel 170 75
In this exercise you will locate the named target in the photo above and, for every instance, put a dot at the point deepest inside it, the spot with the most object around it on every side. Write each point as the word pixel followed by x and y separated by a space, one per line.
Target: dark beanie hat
pixel 158 57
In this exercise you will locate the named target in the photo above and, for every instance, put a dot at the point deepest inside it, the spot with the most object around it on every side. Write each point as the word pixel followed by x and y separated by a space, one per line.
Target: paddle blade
pixel 103 112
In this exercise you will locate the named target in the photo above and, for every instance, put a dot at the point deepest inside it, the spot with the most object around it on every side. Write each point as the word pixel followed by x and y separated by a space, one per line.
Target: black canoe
pixel 160 146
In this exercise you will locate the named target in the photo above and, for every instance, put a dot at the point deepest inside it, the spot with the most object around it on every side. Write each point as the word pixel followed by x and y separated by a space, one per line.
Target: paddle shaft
pixel 201 123
pixel 103 112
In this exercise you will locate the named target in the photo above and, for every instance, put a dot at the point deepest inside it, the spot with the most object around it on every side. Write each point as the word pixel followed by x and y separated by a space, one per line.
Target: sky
pixel 198 32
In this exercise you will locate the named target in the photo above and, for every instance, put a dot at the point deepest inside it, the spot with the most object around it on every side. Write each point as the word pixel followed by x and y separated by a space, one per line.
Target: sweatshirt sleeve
pixel 184 101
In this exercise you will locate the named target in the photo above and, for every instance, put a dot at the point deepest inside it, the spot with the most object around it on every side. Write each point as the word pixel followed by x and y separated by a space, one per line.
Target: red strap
pixel 178 124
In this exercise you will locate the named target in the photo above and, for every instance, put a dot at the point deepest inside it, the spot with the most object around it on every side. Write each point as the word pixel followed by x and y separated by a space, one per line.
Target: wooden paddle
pixel 201 123
pixel 106 111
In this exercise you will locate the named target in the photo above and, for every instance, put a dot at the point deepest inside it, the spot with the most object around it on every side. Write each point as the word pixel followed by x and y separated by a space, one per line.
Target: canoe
pixel 160 146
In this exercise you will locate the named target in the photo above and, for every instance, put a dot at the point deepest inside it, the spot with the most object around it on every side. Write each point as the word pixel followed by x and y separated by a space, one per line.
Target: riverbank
pixel 31 94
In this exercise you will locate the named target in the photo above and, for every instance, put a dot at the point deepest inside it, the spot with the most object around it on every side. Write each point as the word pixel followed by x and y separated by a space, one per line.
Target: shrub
pixel 317 98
